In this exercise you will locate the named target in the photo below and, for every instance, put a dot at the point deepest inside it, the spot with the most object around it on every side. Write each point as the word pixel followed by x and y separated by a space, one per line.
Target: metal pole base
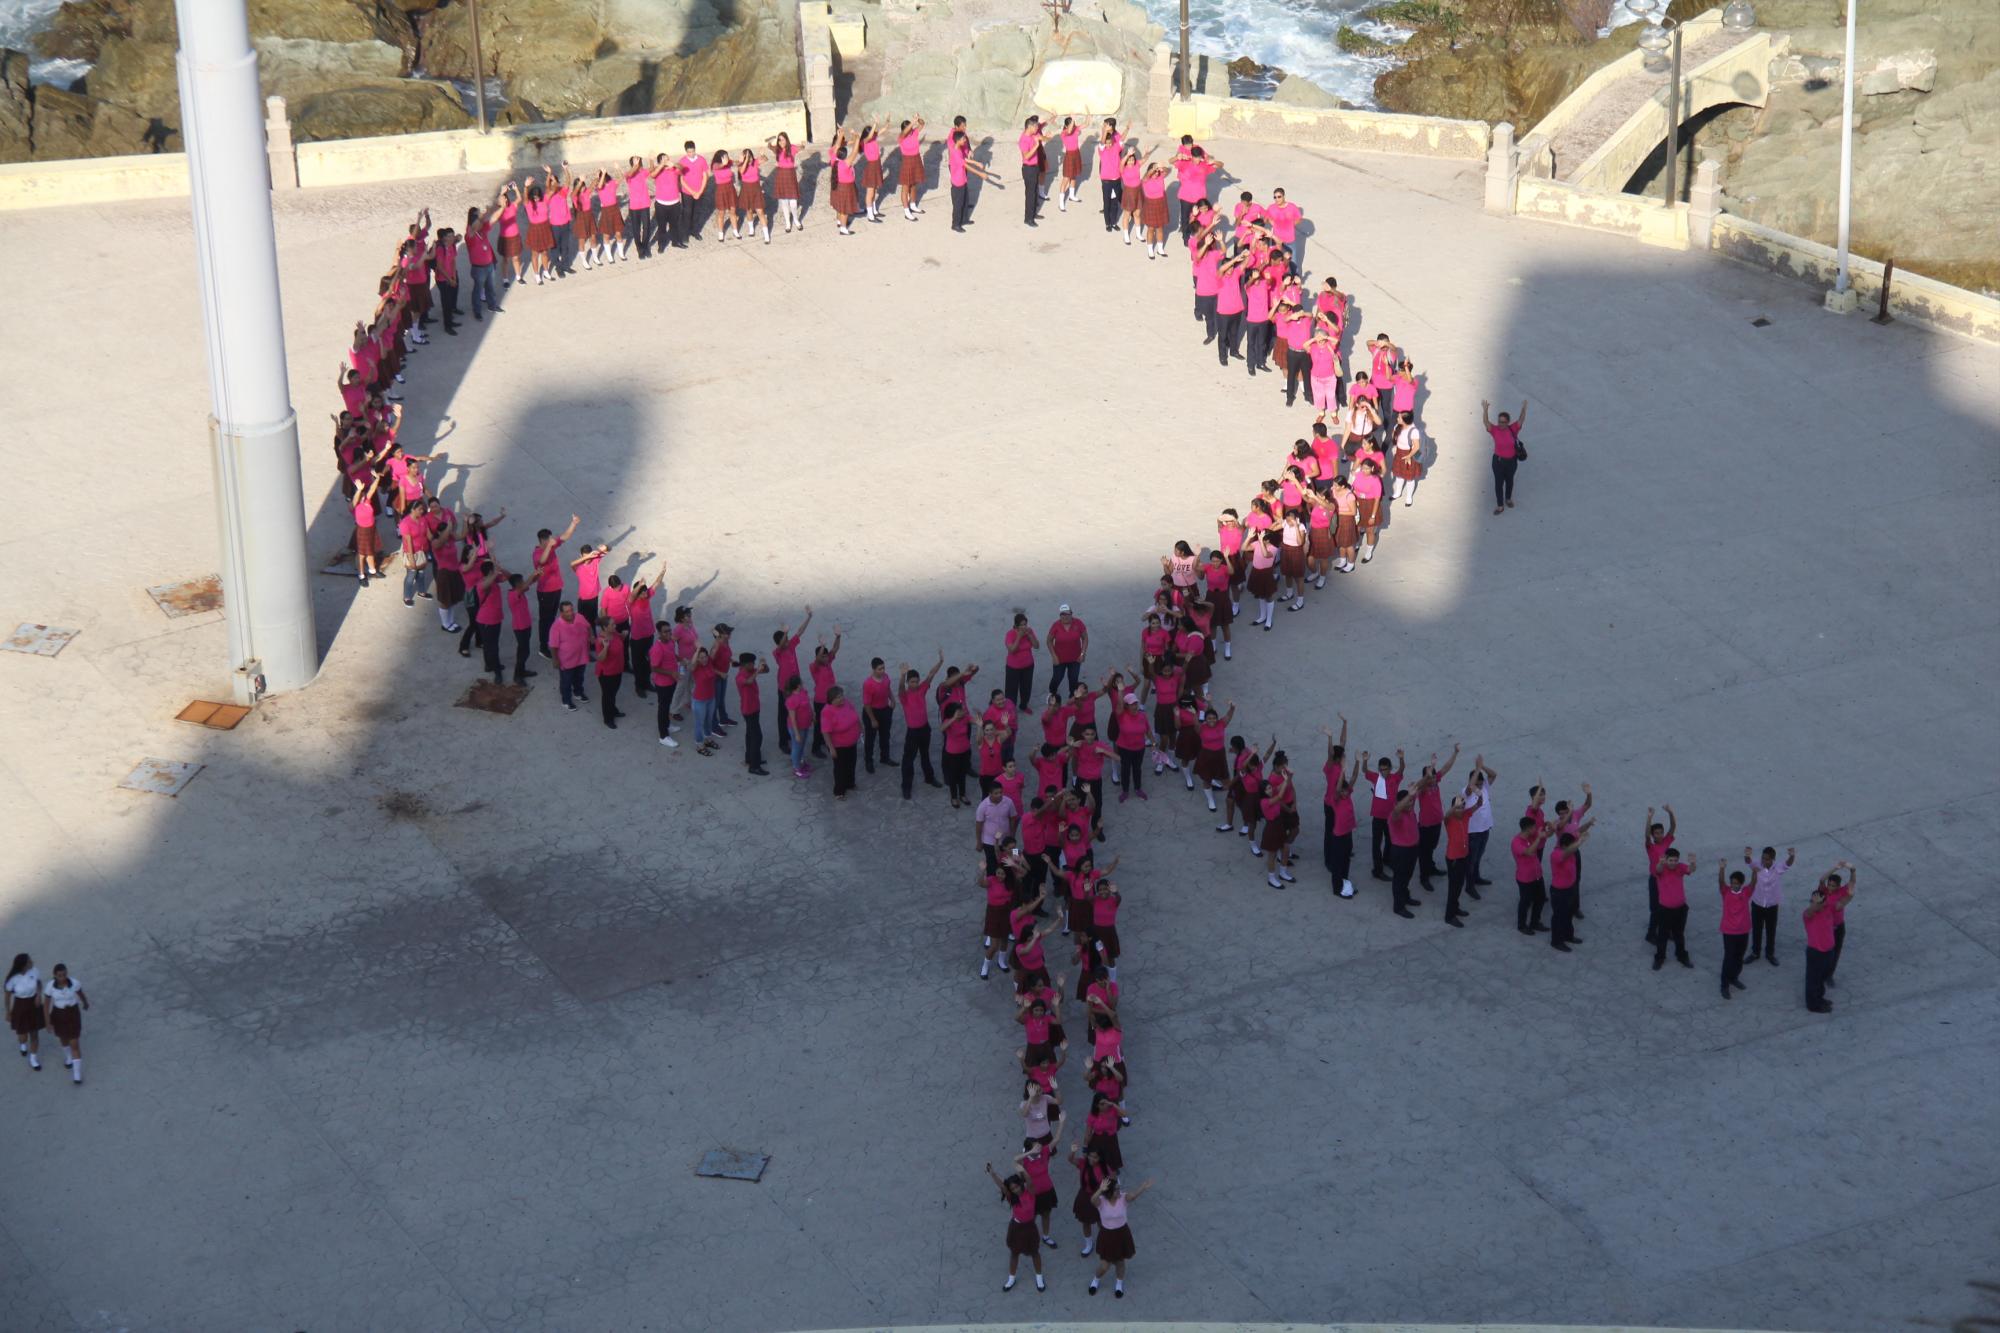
pixel 266 591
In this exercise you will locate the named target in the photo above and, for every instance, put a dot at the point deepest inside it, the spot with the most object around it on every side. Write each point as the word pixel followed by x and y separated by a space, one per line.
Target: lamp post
pixel 1846 151
pixel 259 495
pixel 1187 79
pixel 1662 34
pixel 478 66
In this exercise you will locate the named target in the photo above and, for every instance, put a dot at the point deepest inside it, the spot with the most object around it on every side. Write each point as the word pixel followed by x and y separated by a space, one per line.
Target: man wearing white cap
pixel 1069 643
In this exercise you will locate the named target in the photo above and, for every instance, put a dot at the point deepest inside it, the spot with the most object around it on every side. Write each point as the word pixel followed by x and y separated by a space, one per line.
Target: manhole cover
pixel 37 640
pixel 215 716
pixel 728 1164
pixel 161 777
pixel 490 698
pixel 190 598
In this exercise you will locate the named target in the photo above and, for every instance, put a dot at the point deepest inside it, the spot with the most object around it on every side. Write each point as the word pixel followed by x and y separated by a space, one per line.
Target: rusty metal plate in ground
pixel 215 716
pixel 490 698
pixel 190 598
pixel 730 1164
pixel 161 777
pixel 37 640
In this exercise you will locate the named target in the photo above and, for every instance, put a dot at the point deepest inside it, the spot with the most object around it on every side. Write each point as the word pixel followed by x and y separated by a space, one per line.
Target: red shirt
pixel 611 658
pixel 1736 911
pixel 1673 892
pixel 747 693
pixel 1066 641
pixel 1819 929
pixel 1455 844
pixel 1380 805
pixel 841 724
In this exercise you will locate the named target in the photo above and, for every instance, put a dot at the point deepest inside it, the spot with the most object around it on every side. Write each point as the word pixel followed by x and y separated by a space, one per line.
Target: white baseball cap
pixel 1063 609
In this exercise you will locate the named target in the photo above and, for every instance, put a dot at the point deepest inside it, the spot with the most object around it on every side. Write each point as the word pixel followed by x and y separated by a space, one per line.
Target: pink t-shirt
pixel 638 189
pixel 1504 438
pixel 1284 220
pixel 1672 882
pixel 1031 148
pixel 586 579
pixel 1736 911
pixel 1107 156
pixel 551 577
pixel 1819 929
pixel 1527 859
pixel 955 162
pixel 1207 279
pixel 569 641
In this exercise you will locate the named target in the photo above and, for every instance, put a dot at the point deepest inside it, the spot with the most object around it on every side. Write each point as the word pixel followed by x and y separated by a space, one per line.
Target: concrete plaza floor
pixel 413 1017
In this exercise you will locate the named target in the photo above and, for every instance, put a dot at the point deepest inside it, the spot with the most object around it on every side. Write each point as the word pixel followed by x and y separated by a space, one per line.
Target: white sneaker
pixel 670 743
pixel 1347 888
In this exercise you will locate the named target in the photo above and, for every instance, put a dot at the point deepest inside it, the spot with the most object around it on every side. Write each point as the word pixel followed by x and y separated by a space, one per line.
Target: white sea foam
pixel 1297 36
pixel 20 20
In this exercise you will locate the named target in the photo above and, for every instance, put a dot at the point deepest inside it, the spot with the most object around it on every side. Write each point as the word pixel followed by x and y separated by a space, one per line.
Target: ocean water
pixel 1297 36
pixel 19 21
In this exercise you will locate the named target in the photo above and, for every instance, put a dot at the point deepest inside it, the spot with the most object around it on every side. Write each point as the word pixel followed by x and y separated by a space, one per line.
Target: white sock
pixel 34 1060
pixel 1210 795
pixel 24 1048
pixel 1225 652
pixel 1118 1284
pixel 76 1071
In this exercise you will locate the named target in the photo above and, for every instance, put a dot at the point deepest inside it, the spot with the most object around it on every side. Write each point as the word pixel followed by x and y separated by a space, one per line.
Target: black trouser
pixel 1204 315
pixel 1733 947
pixel 1072 671
pixel 1673 927
pixel 587 608
pixel 843 769
pixel 522 640
pixel 956 768
pixel 666 696
pixel 546 606
pixel 1114 189
pixel 1528 912
pixel 1297 363
pixel 917 745
pixel 1228 336
pixel 1457 872
pixel 1131 770
pixel 1260 345
pixel 1819 964
pixel 1031 192
pixel 1764 932
pixel 1378 845
pixel 639 229
pixel 1503 479
pixel 1562 911
pixel 1427 846
pixel 875 723
pixel 1402 865
pixel 1839 943
pixel 753 739
pixel 448 298
pixel 1338 849
pixel 819 732
pixel 607 698
pixel 1475 852
pixel 1019 687
pixel 571 680
pixel 489 645
pixel 565 248
pixel 637 651
pixel 961 206
pixel 1652 910
pixel 689 217
pixel 666 228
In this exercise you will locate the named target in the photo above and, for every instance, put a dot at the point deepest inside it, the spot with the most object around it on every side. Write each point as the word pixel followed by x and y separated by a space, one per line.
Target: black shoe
pixel 871 768
pixel 582 698
pixel 1426 886
pixel 617 712
pixel 1822 1008
pixel 1524 930
pixel 932 782
pixel 1406 912
pixel 465 652
pixel 1560 948
pixel 1652 940
pixel 1538 930
pixel 1455 920
pixel 611 724
pixel 1829 983
pixel 1578 915
pixel 1772 959
pixel 1659 963
pixel 409 601
pixel 1483 883
pixel 530 675
pixel 760 772
pixel 906 796
pixel 1379 875
pixel 1684 960
pixel 543 652
pixel 1576 939
pixel 1472 893
pixel 570 707
pixel 1739 985
pixel 1753 957
pixel 1725 993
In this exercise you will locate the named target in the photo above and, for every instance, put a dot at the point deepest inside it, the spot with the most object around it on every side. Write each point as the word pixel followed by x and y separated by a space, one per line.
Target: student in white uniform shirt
pixel 1765 899
pixel 1478 798
pixel 63 1003
pixel 24 1008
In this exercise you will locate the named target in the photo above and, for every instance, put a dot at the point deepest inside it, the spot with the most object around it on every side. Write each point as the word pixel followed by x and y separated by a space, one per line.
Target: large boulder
pixel 403 107
pixel 71 125
pixel 17 107
pixel 77 30
pixel 1081 87
pixel 297 67
pixel 139 74
pixel 1295 91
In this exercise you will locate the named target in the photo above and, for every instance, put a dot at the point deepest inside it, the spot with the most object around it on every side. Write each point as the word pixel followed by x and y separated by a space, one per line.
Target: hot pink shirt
pixel 586 579
pixel 1031 148
pixel 638 189
pixel 1819 928
pixel 1207 278
pixel 1527 859
pixel 1066 640
pixel 955 162
pixel 1673 888
pixel 1107 156
pixel 569 641
pixel 1736 911
pixel 551 577
pixel 1285 220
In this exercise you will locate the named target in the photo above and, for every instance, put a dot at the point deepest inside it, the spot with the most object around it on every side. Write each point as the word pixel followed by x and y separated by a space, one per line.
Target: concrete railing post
pixel 1502 168
pixel 821 119
pixel 1160 89
pixel 278 145
pixel 1704 204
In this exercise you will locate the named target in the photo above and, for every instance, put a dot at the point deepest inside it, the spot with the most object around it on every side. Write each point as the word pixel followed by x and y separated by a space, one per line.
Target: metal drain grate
pixel 190 598
pixel 729 1164
pixel 37 640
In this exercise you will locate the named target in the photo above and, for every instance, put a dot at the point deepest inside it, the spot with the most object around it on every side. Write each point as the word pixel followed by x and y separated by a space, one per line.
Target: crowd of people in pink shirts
pixel 1040 816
